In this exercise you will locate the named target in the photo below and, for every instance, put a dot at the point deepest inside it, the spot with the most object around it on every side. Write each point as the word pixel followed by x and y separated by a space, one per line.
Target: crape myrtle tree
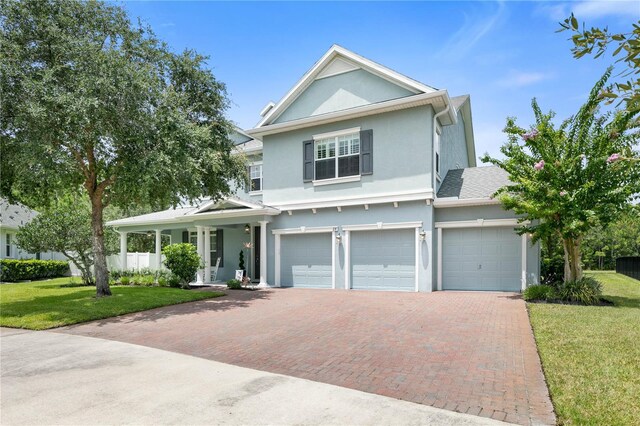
pixel 92 100
pixel 569 178
pixel 625 47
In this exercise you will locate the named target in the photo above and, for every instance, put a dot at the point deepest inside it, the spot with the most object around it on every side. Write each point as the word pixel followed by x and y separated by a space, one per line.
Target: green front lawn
pixel 591 354
pixel 46 304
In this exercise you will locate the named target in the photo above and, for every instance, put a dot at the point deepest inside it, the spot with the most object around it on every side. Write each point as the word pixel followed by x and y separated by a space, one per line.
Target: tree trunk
pixel 99 257
pixel 572 259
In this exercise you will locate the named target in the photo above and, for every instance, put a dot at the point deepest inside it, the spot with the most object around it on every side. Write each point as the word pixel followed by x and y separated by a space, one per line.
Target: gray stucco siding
pixel 341 92
pixel 453 148
pixel 357 215
pixel 402 158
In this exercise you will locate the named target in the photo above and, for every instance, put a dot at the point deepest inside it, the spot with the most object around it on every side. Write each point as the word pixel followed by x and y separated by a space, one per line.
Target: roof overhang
pixel 464 202
pixel 439 100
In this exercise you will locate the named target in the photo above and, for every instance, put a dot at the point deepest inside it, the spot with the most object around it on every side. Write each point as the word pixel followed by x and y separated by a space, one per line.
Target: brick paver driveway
pixel 463 351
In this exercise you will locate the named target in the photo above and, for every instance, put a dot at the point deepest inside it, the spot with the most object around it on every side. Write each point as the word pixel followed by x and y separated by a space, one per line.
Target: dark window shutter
pixel 185 236
pixel 307 161
pixel 366 152
pixel 219 247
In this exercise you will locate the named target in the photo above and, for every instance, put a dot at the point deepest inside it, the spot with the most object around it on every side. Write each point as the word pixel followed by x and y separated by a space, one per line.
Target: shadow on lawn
pixel 231 300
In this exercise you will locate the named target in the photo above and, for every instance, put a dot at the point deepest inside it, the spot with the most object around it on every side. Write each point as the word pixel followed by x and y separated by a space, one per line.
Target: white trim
pixel 333 181
pixel 333 259
pixel 277 259
pixel 200 249
pixel 303 230
pixel 336 133
pixel 465 202
pixel 255 193
pixel 524 261
pixel 263 254
pixel 382 226
pixel 268 107
pixel 439 259
pixel 207 254
pixel 480 223
pixel 355 200
pixel 252 255
pixel 417 269
pixel 440 97
pixel 219 214
pixel 346 242
pixel 324 72
pixel 334 52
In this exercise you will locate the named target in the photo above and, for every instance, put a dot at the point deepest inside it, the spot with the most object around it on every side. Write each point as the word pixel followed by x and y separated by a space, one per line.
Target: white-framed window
pixel 7 249
pixel 213 243
pixel 337 156
pixel 255 176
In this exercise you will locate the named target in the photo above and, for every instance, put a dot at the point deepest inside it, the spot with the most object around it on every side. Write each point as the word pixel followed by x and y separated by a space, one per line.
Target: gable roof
pixel 462 104
pixel 338 59
pixel 473 182
pixel 13 216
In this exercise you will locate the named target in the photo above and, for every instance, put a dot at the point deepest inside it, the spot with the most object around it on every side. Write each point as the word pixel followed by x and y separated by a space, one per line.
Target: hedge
pixel 31 269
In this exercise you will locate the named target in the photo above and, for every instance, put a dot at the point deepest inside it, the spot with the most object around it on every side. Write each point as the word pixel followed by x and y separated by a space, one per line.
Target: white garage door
pixel 305 260
pixel 383 260
pixel 481 259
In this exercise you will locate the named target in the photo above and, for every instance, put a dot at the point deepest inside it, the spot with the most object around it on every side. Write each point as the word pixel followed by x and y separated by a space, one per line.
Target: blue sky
pixel 501 53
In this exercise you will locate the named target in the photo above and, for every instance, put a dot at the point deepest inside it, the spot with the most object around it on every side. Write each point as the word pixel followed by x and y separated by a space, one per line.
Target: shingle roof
pixel 15 215
pixel 473 182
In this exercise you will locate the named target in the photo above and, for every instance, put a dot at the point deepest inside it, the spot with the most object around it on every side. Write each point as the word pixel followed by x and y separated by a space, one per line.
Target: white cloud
pixel 476 25
pixel 523 78
pixel 590 9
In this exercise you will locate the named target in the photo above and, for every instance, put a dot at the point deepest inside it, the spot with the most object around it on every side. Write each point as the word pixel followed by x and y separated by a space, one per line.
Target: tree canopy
pixel 569 178
pixel 92 100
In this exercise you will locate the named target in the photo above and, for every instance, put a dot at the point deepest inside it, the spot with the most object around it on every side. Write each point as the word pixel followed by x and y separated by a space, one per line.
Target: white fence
pixel 135 261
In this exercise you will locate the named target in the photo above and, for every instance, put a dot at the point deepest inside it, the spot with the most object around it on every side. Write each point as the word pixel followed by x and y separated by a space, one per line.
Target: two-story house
pixel 362 178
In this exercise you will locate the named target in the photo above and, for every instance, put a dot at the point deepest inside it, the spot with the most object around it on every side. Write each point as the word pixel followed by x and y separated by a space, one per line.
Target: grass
pixel 591 354
pixel 52 303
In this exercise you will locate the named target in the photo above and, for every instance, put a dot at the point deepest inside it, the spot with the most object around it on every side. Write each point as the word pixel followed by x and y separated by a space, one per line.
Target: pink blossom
pixel 530 135
pixel 614 157
pixel 563 193
pixel 539 165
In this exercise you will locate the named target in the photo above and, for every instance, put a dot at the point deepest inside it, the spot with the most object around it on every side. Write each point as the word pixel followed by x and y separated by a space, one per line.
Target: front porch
pixel 220 231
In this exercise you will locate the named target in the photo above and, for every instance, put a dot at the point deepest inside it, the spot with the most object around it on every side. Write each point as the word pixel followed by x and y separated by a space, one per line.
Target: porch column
pixel 158 249
pixel 207 254
pixel 200 249
pixel 123 250
pixel 263 254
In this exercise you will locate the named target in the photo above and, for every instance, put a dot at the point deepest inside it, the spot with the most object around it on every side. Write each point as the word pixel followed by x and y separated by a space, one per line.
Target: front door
pixel 256 253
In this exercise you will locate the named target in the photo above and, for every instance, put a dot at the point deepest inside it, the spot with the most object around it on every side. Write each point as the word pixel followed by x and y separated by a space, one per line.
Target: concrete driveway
pixel 50 378
pixel 468 352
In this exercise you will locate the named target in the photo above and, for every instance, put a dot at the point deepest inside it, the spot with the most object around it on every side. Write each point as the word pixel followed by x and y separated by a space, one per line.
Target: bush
pixel 586 291
pixel 234 284
pixel 539 292
pixel 125 280
pixel 173 281
pixel 12 270
pixel 163 281
pixel 147 280
pixel 183 261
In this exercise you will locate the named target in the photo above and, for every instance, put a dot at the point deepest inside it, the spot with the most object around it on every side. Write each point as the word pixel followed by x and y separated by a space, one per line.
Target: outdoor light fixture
pixel 247 228
pixel 423 235
pixel 338 239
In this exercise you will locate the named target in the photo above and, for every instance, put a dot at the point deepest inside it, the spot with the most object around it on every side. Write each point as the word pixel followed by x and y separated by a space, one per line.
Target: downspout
pixel 433 146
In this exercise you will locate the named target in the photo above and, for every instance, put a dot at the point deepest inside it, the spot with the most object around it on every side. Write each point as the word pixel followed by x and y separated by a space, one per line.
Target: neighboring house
pixel 362 178
pixel 12 217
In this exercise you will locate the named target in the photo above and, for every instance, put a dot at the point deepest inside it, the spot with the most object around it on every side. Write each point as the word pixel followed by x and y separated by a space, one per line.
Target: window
pixel 337 156
pixel 255 174
pixel 213 241
pixel 8 246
